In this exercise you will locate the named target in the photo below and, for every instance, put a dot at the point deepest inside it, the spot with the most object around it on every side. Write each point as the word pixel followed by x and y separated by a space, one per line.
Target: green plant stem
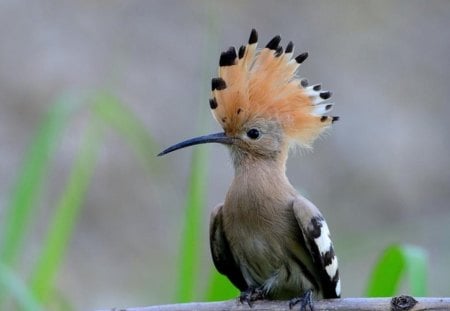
pixel 110 110
pixel 190 248
pixel 65 216
pixel 31 178
pixel 18 290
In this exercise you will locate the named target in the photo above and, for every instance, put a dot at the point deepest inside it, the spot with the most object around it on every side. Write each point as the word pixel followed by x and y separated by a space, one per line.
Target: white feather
pixel 338 288
pixel 332 267
pixel 323 241
pixel 322 108
pixel 317 99
pixel 310 92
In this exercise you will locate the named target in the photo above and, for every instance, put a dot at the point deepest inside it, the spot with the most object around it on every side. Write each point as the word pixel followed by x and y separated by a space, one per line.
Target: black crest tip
pixel 301 58
pixel 228 57
pixel 213 103
pixel 273 44
pixel 278 51
pixel 253 37
pixel 218 84
pixel 304 82
pixel 241 51
pixel 325 95
pixel 317 87
pixel 289 47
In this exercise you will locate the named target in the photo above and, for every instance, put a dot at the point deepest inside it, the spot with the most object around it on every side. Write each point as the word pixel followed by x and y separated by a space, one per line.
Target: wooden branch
pixel 399 303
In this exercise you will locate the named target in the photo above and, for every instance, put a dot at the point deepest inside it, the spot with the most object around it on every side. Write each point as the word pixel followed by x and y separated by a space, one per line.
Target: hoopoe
pixel 271 242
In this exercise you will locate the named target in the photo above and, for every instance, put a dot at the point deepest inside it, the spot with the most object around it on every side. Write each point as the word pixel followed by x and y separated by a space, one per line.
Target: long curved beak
pixel 220 138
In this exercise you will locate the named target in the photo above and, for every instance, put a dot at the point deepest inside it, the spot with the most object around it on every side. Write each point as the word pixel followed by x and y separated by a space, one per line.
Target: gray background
pixel 380 176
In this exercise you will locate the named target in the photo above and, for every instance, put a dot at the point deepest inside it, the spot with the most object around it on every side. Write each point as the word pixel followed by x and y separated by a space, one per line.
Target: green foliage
pixel 18 290
pixel 31 178
pixel 398 262
pixel 105 111
pixel 124 122
pixel 65 216
pixel 220 288
pixel 190 248
pixel 29 184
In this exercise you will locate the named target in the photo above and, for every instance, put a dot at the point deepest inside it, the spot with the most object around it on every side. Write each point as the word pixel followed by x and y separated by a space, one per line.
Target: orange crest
pixel 262 84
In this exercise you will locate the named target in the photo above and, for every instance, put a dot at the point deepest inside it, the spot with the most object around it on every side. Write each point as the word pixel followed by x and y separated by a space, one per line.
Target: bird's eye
pixel 253 134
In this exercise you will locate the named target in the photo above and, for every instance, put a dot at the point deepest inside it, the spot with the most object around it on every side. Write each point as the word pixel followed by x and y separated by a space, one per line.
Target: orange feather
pixel 263 84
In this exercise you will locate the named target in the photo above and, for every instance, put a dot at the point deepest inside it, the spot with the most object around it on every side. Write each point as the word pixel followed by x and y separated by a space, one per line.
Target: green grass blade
pixel 31 178
pixel 190 248
pixel 386 274
pixel 65 216
pixel 399 261
pixel 14 286
pixel 416 261
pixel 220 288
pixel 114 113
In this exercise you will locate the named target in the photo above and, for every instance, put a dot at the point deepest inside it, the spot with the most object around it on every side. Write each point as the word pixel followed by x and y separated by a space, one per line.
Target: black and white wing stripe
pixel 317 237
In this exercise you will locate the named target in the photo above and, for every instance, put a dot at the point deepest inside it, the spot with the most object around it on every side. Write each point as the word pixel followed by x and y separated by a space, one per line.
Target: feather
pixel 263 84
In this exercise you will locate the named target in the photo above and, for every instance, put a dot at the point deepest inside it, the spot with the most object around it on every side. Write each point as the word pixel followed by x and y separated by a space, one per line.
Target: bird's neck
pixel 260 166
pixel 260 169
pixel 259 184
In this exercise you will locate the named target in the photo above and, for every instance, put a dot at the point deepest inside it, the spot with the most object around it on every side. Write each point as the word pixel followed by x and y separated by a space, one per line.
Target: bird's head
pixel 260 103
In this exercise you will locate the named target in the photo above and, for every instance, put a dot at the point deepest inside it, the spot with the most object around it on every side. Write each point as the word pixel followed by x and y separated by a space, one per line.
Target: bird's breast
pixel 259 232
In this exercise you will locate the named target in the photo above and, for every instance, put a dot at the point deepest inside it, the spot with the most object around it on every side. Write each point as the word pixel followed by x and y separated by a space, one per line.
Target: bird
pixel 269 240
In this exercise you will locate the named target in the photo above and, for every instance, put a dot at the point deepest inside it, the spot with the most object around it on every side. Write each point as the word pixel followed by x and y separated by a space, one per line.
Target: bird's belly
pixel 267 257
pixel 259 254
pixel 259 259
pixel 264 261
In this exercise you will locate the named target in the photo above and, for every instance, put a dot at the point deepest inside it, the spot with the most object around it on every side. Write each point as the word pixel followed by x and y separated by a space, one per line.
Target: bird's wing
pixel 220 250
pixel 317 237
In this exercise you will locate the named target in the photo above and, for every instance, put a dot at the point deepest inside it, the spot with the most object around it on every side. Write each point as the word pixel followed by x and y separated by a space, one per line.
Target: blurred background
pixel 380 176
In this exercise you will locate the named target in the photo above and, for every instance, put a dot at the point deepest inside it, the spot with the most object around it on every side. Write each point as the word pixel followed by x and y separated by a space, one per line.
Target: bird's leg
pixel 252 294
pixel 305 300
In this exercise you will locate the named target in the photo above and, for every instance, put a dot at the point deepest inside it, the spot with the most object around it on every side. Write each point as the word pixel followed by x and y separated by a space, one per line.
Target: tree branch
pixel 399 303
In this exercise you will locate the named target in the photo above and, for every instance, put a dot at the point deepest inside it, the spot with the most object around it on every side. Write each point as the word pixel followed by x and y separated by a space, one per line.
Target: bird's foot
pixel 305 301
pixel 250 295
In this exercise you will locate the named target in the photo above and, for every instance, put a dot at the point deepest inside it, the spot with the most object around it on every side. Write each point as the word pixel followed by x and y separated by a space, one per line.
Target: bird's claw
pixel 251 295
pixel 305 301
